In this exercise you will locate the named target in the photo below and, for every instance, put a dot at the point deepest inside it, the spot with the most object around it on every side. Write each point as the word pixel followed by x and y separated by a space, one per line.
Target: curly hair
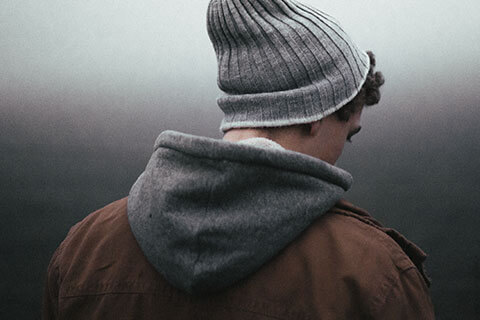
pixel 370 91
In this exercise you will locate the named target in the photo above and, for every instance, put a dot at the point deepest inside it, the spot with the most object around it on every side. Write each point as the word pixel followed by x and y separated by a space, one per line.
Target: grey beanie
pixel 281 63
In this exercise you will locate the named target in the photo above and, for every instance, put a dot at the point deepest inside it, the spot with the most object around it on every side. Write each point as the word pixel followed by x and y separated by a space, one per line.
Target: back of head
pixel 282 63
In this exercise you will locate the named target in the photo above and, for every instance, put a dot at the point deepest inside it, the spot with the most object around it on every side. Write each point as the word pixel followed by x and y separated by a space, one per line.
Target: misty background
pixel 86 87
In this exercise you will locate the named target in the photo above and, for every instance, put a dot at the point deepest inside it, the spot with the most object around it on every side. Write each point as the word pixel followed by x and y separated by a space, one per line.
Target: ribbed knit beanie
pixel 281 62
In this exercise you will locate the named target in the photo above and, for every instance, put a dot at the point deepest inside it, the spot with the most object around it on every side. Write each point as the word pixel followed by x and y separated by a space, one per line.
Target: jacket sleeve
pixel 50 295
pixel 408 298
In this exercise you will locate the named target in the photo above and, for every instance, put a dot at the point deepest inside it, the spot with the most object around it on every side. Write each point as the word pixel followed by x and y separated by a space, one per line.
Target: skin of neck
pixel 323 139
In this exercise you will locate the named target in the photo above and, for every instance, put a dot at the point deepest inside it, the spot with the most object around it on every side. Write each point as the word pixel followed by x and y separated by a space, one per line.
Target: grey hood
pixel 208 213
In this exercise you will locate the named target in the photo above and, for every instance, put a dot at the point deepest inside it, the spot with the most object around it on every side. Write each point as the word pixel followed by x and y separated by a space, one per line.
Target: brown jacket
pixel 364 271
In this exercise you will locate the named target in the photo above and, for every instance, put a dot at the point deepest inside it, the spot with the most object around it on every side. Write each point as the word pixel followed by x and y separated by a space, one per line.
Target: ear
pixel 315 128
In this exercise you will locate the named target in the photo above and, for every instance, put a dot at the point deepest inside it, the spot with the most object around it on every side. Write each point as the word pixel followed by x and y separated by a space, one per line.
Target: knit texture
pixel 281 62
pixel 208 213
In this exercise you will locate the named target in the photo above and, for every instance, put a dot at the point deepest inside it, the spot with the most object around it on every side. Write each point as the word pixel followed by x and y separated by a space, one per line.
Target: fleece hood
pixel 208 213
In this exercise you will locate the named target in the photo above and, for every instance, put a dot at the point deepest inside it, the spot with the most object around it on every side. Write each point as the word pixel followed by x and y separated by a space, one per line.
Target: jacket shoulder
pixel 100 255
pixel 344 266
pixel 374 267
pixel 360 238
pixel 404 253
pixel 97 229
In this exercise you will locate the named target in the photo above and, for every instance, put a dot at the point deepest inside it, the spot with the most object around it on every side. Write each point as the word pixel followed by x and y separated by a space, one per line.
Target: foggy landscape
pixel 86 87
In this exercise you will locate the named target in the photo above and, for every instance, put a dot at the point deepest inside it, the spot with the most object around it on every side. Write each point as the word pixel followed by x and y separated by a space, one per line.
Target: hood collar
pixel 208 213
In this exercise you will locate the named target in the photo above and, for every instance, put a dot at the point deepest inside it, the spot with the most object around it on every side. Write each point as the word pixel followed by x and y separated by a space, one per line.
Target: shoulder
pixel 403 253
pixel 91 229
pixel 96 233
pixel 345 266
pixel 100 255
pixel 107 217
pixel 357 246
pixel 356 234
pixel 99 230
pixel 367 264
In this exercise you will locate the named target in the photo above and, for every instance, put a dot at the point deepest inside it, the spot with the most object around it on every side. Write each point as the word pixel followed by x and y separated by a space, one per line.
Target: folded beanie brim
pixel 284 108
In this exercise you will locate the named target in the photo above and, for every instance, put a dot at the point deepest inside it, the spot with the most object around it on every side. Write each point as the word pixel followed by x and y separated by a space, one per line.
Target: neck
pixel 292 138
pixel 288 138
pixel 236 135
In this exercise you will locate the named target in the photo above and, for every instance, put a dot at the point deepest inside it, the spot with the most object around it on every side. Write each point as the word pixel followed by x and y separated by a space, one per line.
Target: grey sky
pixel 162 46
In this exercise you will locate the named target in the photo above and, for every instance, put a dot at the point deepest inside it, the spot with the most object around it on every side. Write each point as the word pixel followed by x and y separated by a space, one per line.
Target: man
pixel 251 226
